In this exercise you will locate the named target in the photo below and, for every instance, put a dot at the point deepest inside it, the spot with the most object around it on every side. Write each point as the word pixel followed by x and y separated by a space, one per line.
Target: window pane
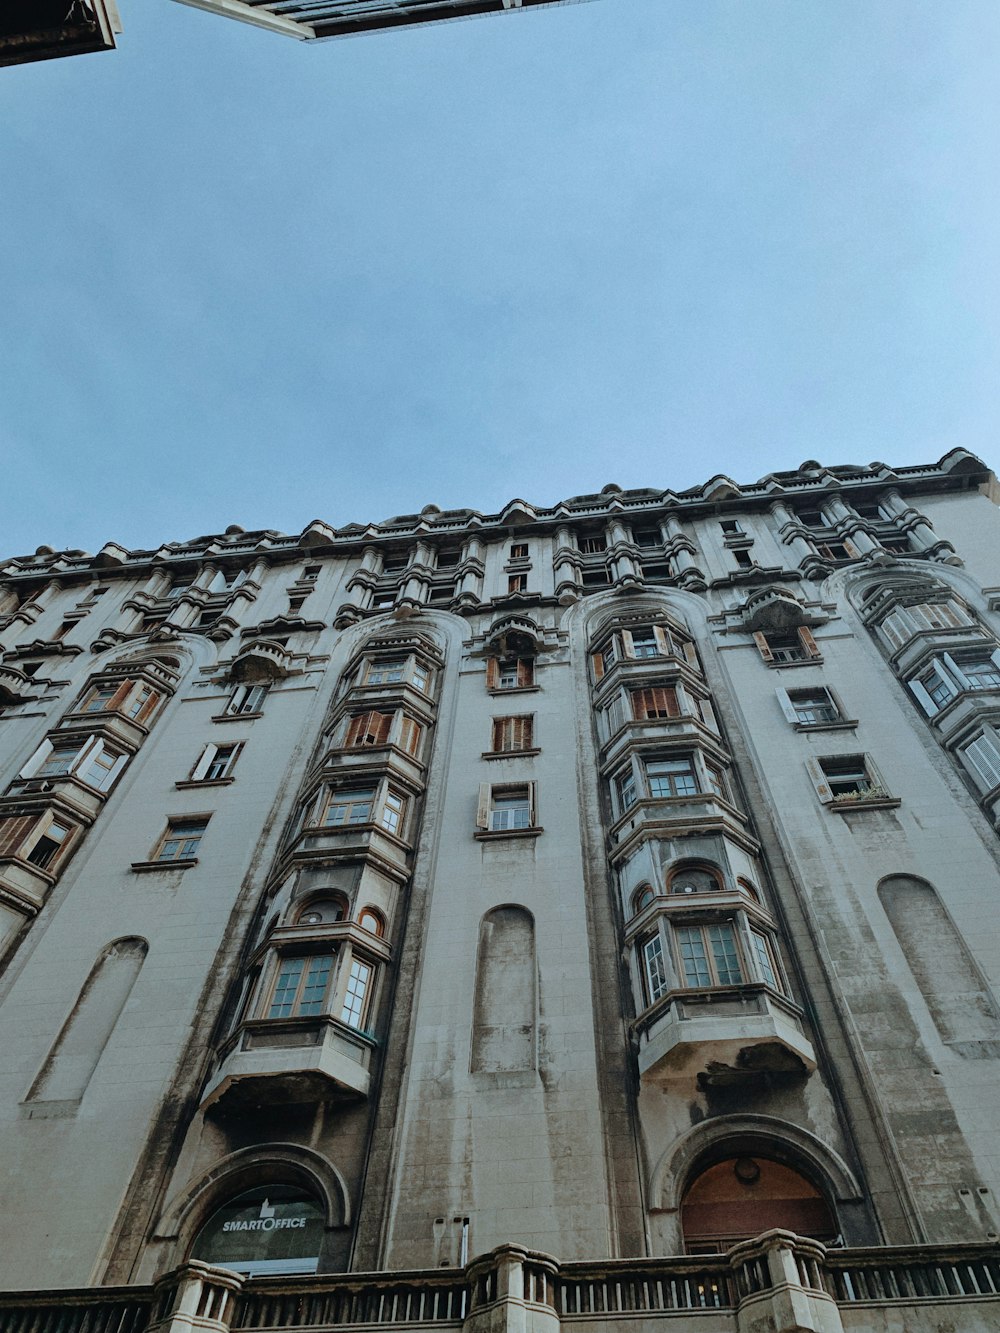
pixel 354 1000
pixel 656 971
pixel 727 966
pixel 644 643
pixel 764 959
pixel 285 990
pixel 510 812
pixel 392 812
pixel 671 777
pixel 693 960
pixel 317 975
pixel 349 807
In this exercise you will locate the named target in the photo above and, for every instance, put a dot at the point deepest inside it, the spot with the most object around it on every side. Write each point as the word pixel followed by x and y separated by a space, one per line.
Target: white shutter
pixel 36 760
pixel 995 657
pixel 204 763
pixel 691 654
pixel 107 782
pixel 483 806
pixel 627 645
pixel 983 757
pixel 532 812
pixel 819 781
pixel 89 748
pixel 708 714
pixel 786 705
pixel 662 641
pixel 958 675
pixel 923 698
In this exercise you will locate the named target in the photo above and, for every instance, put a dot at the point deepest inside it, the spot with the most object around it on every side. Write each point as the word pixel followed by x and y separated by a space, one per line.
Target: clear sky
pixel 258 281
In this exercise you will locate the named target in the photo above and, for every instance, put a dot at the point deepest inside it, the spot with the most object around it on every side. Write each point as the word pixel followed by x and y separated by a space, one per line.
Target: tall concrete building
pixel 581 915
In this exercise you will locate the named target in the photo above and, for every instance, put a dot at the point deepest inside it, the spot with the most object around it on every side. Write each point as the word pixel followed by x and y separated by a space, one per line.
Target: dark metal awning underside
pixel 345 18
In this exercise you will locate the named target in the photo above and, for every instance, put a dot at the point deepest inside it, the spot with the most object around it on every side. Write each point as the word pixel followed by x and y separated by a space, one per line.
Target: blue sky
pixel 251 280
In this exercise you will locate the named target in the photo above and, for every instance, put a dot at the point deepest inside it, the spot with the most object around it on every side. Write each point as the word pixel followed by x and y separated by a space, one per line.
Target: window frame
pixel 513 733
pixel 303 984
pixel 876 793
pixel 170 834
pixel 525 796
pixel 790 706
pixel 704 929
pixel 202 773
pixel 246 701
pixel 522 668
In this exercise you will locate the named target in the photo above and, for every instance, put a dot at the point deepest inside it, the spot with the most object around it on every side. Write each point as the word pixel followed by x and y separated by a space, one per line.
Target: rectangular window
pixel 64 629
pixel 91 761
pixel 671 777
pixel 849 775
pixel 177 590
pixel 765 964
pixel 99 765
pixel 513 733
pixel 216 762
pixel 392 564
pixel 645 643
pixel 593 545
pixel 420 677
pixel 938 687
pixel 348 806
pixel 47 847
pixel 385 671
pixel 812 518
pixel 716 780
pixel 653 702
pixel 510 673
pixel 180 842
pixel 393 809
pixel 246 699
pixel 626 789
pixel 301 986
pixel 648 537
pixel 897 545
pixel 357 990
pixel 517 583
pixel 654 968
pixel 448 559
pixel 311 573
pixel 982 673
pixel 507 808
pixel 708 955
pixel 519 551
pixel 98 699
pixel 442 592
pixel 383 601
pixel 731 528
pixel 743 559
pixel 368 729
pixel 781 647
pixel 837 551
pixel 813 707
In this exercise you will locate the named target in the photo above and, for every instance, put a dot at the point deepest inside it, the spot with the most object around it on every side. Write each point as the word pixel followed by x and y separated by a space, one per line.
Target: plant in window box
pixel 870 794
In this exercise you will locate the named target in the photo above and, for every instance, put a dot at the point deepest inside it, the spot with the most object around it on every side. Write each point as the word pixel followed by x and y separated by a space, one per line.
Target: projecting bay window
pixel 655 701
pixel 374 729
pixel 981 756
pixel 643 643
pixel 667 778
pixel 397 671
pixel 708 955
pixel 42 840
pixel 131 698
pixel 765 959
pixel 672 776
pixel 367 804
pixel 904 622
pixel 91 760
pixel 948 676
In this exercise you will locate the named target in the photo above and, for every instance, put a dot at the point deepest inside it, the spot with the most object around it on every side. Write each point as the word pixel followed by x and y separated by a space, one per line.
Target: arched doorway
pixel 740 1197
pixel 271 1229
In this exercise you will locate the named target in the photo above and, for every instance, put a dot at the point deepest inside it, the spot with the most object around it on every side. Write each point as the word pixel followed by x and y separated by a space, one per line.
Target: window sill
pixel 876 803
pixel 514 689
pixel 509 754
pixel 491 835
pixel 804 662
pixel 204 782
pixel 236 717
pixel 182 863
pixel 844 724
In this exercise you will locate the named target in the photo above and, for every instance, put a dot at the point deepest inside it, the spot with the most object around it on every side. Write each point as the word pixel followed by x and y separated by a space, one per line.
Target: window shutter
pixel 984 758
pixel 708 715
pixel 492 673
pixel 786 705
pixel 760 639
pixel 523 732
pixel 691 655
pixel 532 812
pixel 356 729
pixel 409 735
pixel 107 781
pixel 808 642
pixel 819 781
pixel 598 661
pixel 36 760
pixel 119 696
pixel 923 698
pixel 627 645
pixel 483 808
pixel 90 746
pixel 525 671
pixel 957 673
pixel 148 706
pixel 204 763
pixel 995 657
pixel 13 832
pixel 662 640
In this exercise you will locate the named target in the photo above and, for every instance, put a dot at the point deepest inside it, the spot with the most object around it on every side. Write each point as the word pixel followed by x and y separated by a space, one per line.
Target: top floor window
pixel 519 551
pixel 594 544
pixel 385 671
pixel 648 537
pixel 949 676
pixel 131 698
pixel 642 643
pixel 731 528
pixel 904 622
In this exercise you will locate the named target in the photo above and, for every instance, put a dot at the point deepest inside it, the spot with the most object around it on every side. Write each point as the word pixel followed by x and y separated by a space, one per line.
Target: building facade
pixel 583 914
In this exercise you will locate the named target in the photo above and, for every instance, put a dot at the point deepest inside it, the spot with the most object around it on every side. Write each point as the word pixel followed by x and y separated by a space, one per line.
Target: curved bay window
pixel 740 1197
pixel 642 643
pixel 275 1229
pixel 675 775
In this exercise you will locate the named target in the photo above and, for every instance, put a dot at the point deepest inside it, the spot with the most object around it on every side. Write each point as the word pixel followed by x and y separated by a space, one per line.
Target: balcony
pixel 723 1036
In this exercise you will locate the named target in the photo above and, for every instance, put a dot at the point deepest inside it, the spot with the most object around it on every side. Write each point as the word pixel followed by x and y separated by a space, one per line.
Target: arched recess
pixel 742 1196
pixel 71 1062
pixel 732 1136
pixel 503 1027
pixel 958 996
pixel 248 1169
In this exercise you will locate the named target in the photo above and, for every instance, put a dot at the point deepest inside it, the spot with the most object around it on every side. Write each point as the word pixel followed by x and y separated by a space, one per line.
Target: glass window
pixel 392 811
pixel 385 671
pixel 671 777
pixel 764 964
pixel 938 686
pixel 221 763
pixel 626 790
pixel 371 921
pixel 654 968
pixel 60 761
pixel 847 774
pixel 420 677
pixel 349 806
pixel 98 699
pixel 301 986
pixel 982 673
pixel 644 643
pixel 274 1229
pixel 593 545
pixel 43 854
pixel 180 842
pixel 709 956
pixel 786 646
pixel 353 1010
pixel 246 699
pixel 511 809
pixel 814 706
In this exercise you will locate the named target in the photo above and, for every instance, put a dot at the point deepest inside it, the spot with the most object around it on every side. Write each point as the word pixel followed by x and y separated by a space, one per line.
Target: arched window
pixel 740 1197
pixel 322 911
pixel 750 890
pixel 370 920
pixel 693 878
pixel 642 897
pixel 272 1229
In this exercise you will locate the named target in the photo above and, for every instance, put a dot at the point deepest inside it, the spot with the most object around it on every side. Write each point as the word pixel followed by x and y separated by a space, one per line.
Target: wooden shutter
pixel 808 642
pixel 763 647
pixel 662 640
pixel 532 806
pixel 356 730
pixel 628 647
pixel 119 696
pixel 36 760
pixel 409 735
pixel 819 781
pixel 522 732
pixel 13 833
pixel 598 662
pixel 786 705
pixel 691 654
pixel 958 674
pixel 204 763
pixel 525 671
pixel 148 706
pixel 91 744
pixel 109 778
pixel 492 673
pixel 708 714
pixel 483 806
